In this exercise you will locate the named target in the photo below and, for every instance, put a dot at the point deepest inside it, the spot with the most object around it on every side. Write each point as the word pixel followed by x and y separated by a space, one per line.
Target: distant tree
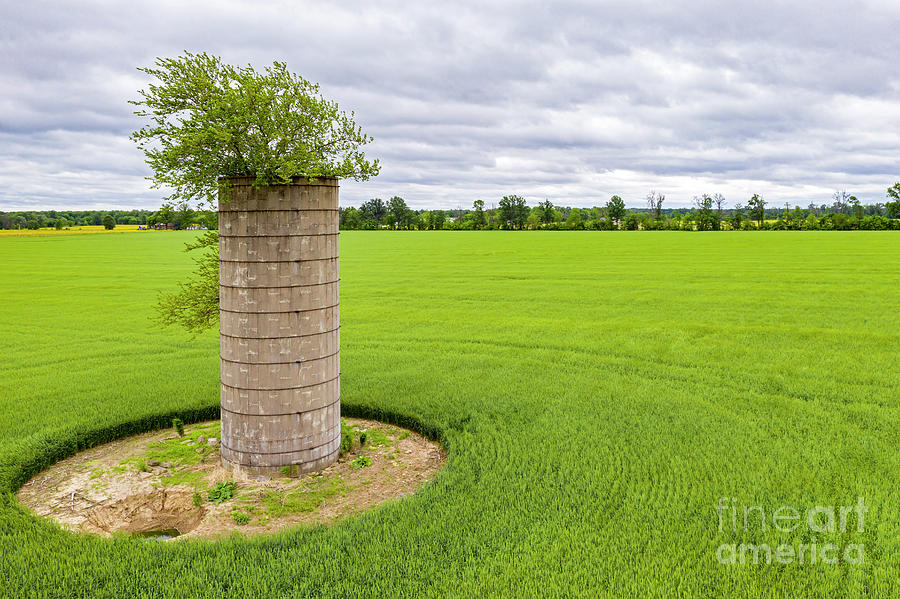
pixel 719 201
pixel 513 211
pixel 655 201
pixel 374 209
pixel 164 216
pixel 478 217
pixel 437 219
pixel 706 219
pixel 615 209
pixel 183 215
pixel 894 191
pixel 109 222
pixel 893 208
pixel 350 218
pixel 574 220
pixel 840 200
pixel 399 213
pixel 855 208
pixel 737 217
pixel 33 224
pixel 546 211
pixel 757 209
pixel 810 223
pixel 632 222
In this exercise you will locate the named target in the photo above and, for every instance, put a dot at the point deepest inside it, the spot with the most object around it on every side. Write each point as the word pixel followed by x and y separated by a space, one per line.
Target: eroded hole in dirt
pixel 160 512
pixel 159 484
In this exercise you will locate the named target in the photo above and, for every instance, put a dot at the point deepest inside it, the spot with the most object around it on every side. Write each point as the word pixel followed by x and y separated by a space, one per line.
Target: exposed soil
pixel 162 485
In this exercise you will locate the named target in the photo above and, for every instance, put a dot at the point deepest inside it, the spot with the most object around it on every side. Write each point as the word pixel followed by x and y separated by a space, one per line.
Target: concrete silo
pixel 279 326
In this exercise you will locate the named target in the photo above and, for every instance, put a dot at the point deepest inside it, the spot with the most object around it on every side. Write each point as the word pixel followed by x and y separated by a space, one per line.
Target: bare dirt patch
pixel 163 485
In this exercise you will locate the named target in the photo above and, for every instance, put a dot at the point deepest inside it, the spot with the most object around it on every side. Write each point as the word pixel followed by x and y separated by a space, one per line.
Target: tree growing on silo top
pixel 270 151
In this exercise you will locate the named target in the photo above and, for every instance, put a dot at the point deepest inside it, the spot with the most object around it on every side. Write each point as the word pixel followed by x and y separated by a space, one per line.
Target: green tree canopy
pixel 374 209
pixel 615 208
pixel 400 214
pixel 513 211
pixel 195 306
pixel 893 208
pixel 209 120
pixel 757 208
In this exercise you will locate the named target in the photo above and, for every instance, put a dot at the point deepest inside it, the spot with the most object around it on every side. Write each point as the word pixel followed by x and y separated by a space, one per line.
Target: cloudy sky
pixel 571 101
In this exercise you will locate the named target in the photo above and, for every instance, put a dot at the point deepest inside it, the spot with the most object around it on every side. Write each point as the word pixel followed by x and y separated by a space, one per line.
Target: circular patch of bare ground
pixel 161 484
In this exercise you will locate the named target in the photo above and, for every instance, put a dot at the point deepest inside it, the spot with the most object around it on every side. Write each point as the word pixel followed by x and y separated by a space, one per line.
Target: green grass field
pixel 598 394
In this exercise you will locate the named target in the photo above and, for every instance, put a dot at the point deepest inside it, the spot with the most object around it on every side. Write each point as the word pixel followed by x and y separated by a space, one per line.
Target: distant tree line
pixel 178 217
pixel 707 213
pixel 61 219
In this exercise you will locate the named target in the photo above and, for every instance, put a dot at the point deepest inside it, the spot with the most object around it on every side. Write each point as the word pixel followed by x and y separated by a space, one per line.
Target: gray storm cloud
pixel 567 101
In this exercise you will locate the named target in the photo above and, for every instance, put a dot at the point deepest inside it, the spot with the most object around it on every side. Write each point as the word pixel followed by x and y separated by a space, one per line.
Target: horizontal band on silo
pixel 279 324
pixel 285 197
pixel 223 235
pixel 308 453
pixel 279 458
pixel 280 376
pixel 277 249
pixel 272 446
pixel 308 459
pixel 284 389
pixel 338 328
pixel 286 261
pixel 281 433
pixel 284 357
pixel 281 401
pixel 279 349
pixel 336 402
pixel 333 306
pixel 279 299
pixel 277 223
pixel 277 274
pixel 283 286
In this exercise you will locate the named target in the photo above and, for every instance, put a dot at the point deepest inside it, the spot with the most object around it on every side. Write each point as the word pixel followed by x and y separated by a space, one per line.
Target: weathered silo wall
pixel 278 295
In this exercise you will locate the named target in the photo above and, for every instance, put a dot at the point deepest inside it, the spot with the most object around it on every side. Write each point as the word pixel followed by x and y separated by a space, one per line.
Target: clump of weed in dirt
pixel 361 462
pixel 198 499
pixel 377 438
pixel 346 444
pixel 240 518
pixel 222 492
